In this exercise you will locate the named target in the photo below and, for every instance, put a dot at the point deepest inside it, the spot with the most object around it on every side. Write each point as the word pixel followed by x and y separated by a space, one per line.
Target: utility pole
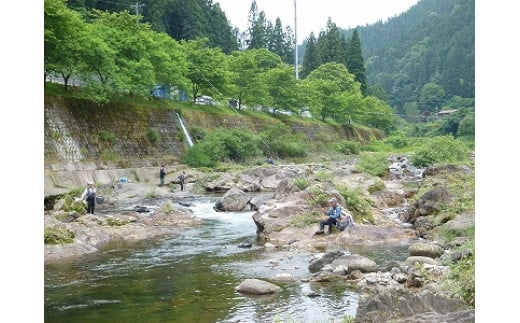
pixel 136 7
pixel 295 44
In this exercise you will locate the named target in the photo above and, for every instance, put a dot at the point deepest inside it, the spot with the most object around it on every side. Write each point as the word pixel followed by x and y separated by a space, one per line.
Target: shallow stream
pixel 192 278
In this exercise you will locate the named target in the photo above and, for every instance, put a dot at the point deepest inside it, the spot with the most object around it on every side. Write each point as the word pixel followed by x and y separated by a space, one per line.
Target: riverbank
pixel 286 200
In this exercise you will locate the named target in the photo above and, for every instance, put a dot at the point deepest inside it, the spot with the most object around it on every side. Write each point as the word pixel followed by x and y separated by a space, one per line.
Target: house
pixel 445 113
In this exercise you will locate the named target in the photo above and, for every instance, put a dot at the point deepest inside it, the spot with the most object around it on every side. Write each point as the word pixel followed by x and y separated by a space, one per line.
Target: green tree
pixel 64 34
pixel 248 78
pixel 207 68
pixel 311 59
pixel 257 28
pixel 355 61
pixel 282 88
pixel 432 96
pixel 330 90
pixel 329 44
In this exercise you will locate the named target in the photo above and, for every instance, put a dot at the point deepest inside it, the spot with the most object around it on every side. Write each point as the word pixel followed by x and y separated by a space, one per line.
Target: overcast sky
pixel 312 15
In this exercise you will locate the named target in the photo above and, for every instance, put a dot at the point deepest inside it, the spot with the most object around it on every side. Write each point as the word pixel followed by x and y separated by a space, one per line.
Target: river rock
pixel 233 200
pixel 356 262
pixel 425 249
pixel 284 277
pixel 433 201
pixel 412 260
pixel 246 244
pixel 320 260
pixel 257 287
pixel 399 305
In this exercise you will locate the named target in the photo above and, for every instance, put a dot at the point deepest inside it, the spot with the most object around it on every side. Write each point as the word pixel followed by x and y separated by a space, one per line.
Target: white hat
pixel 90 183
pixel 333 200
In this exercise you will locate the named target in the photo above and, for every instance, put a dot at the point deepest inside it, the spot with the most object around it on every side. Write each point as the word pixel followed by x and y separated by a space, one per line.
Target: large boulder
pixel 425 249
pixel 433 201
pixel 222 184
pixel 404 306
pixel 257 287
pixel 233 200
pixel 355 262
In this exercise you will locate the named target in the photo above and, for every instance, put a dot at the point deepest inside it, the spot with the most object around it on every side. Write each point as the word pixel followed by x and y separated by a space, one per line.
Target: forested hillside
pixel 181 19
pixel 423 57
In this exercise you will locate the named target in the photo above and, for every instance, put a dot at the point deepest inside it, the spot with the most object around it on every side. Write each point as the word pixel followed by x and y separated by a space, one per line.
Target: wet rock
pixel 322 259
pixel 257 287
pixel 141 209
pixel 233 200
pixel 425 249
pixel 246 244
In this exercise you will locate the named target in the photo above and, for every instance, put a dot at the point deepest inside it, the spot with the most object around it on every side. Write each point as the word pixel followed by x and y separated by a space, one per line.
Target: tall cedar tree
pixel 257 28
pixel 329 44
pixel 355 62
pixel 311 60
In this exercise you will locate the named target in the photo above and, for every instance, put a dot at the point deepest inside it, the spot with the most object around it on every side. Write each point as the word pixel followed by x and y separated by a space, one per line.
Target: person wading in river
pixel 334 214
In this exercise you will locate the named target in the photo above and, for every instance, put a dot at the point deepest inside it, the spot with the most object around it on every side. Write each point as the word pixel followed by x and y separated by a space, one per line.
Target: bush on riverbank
pixel 461 279
pixel 57 235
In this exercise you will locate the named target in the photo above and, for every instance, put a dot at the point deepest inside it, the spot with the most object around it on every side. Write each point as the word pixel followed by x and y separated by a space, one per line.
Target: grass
pixel 57 235
pixel 306 219
pixel 373 163
pixel 461 278
pixel 115 222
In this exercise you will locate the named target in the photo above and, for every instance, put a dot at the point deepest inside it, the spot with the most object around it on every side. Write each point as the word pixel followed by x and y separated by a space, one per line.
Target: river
pixel 190 278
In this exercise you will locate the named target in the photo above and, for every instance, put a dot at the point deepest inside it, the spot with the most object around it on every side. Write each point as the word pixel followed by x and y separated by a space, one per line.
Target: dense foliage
pixel 117 53
pixel 425 55
pixel 444 149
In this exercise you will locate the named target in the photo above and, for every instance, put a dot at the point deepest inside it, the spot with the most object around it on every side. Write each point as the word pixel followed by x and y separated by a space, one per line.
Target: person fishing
pixel 89 194
pixel 182 178
pixel 334 214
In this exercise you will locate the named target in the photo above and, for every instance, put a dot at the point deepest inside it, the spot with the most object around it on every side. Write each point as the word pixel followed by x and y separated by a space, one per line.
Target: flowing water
pixel 190 278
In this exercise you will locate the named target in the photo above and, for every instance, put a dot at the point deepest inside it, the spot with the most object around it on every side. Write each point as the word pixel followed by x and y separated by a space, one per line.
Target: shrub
pixel 324 176
pixel 152 135
pixel 373 163
pixel 288 148
pixel 397 140
pixel 442 149
pixel 358 203
pixel 167 207
pixel 302 183
pixel 106 136
pixel 348 147
pixel 57 235
pixel 467 126
pixel 197 156
pixel 239 145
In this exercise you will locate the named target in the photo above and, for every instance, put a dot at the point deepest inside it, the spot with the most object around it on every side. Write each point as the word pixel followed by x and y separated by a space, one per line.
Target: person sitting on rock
pixel 334 214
